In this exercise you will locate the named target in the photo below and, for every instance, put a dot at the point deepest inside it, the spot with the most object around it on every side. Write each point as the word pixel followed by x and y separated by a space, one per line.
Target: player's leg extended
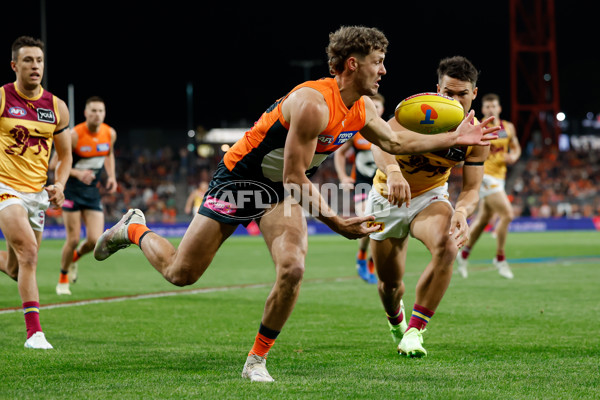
pixel 23 249
pixel 500 204
pixel 94 226
pixel 431 226
pixel 285 233
pixel 389 256
pixel 286 238
pixel 186 264
pixel 72 222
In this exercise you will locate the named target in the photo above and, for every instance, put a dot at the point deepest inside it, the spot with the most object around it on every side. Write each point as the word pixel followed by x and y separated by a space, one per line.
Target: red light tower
pixel 534 70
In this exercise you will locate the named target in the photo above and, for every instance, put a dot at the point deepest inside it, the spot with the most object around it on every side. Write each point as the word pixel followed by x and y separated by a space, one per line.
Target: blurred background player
pixel 361 179
pixel 420 181
pixel 93 143
pixel 504 151
pixel 31 120
pixel 194 200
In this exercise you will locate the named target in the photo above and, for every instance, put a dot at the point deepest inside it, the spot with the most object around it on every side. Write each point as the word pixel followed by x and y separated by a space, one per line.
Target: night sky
pixel 140 58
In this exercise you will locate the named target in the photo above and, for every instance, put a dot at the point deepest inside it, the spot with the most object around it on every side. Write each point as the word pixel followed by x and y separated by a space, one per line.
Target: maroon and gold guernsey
pixel 427 171
pixel 27 127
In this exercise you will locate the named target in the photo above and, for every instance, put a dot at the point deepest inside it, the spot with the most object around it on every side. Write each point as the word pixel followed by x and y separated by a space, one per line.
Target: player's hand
pixel 111 185
pixel 398 189
pixel 86 176
pixel 459 228
pixel 56 195
pixel 469 134
pixel 355 227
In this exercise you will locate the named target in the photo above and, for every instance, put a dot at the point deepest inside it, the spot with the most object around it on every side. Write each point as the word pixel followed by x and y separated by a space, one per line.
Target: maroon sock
pixel 31 309
pixel 420 317
pixel 500 257
pixel 466 250
pixel 396 318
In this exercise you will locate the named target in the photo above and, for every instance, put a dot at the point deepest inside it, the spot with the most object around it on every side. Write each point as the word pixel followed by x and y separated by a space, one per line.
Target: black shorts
pixel 78 200
pixel 235 200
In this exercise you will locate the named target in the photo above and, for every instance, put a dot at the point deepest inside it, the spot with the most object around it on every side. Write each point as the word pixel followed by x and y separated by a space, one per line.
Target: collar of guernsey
pixel 27 128
pixel 343 124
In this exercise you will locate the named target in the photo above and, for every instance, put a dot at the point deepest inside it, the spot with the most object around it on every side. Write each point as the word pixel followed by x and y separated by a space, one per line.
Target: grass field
pixel 535 337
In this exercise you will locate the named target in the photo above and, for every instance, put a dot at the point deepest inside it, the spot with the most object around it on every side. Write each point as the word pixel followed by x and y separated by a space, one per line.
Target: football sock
pixel 396 318
pixel 136 232
pixel 420 317
pixel 371 265
pixel 362 255
pixel 64 277
pixel 265 338
pixel 76 255
pixel 31 309
pixel 500 257
pixel 466 250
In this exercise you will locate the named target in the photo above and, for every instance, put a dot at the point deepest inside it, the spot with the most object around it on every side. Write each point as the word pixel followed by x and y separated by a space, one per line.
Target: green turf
pixel 535 337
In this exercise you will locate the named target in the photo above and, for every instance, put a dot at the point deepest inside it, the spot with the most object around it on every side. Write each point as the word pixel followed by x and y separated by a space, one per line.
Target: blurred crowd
pixel 545 184
pixel 551 184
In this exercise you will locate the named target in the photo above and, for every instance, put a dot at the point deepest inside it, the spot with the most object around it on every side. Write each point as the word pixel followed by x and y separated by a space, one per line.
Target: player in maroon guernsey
pixel 31 120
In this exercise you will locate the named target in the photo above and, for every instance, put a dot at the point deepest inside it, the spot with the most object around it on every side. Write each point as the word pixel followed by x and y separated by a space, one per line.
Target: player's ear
pixel 475 92
pixel 352 63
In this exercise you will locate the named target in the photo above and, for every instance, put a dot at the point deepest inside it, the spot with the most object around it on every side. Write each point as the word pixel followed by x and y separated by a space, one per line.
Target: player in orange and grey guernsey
pixel 93 144
pixel 280 153
pixel 360 179
pixel 504 151
pixel 410 197
pixel 31 120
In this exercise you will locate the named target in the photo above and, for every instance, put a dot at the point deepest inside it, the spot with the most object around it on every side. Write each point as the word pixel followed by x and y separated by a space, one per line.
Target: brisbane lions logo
pixel 23 141
pixel 418 163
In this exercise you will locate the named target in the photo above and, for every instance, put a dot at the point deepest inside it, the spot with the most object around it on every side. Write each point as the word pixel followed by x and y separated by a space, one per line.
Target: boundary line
pixel 170 293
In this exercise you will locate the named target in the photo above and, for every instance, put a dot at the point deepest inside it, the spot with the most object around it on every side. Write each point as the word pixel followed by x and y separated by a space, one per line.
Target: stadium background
pixel 165 72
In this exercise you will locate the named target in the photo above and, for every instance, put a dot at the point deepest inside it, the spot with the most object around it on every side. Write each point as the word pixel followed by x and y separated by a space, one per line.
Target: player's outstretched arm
pixel 393 138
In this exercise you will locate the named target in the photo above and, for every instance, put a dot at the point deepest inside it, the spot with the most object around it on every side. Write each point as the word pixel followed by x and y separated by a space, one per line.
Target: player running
pixel 410 197
pixel 281 151
pixel 93 143
pixel 504 151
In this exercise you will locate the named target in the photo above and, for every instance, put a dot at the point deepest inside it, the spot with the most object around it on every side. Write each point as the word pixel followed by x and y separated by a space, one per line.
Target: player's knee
pixel 72 242
pixel 291 272
pixel 391 286
pixel 445 250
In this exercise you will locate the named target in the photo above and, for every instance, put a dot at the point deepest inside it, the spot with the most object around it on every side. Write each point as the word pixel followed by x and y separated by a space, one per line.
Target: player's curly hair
pixel 25 41
pixel 458 67
pixel 349 40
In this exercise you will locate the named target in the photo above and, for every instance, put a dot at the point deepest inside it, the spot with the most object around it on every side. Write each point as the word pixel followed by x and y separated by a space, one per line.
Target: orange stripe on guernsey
pixel 263 144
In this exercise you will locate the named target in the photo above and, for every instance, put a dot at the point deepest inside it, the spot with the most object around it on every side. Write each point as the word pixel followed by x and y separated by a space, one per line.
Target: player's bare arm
pixel 109 164
pixel 307 114
pixel 393 138
pixel 469 195
pixel 514 147
pixel 62 145
pixel 398 189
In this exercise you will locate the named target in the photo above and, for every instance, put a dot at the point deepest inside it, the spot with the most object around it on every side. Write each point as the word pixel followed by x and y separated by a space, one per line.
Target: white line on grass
pixel 155 295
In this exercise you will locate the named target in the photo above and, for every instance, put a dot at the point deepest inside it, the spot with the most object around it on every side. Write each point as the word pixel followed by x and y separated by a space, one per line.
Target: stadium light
pixel 561 116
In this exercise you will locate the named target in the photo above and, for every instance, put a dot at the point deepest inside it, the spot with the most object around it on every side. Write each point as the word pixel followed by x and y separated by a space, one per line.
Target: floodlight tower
pixel 533 70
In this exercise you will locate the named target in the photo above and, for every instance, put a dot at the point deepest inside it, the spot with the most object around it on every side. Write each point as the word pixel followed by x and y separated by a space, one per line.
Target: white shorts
pixel 396 220
pixel 34 203
pixel 490 185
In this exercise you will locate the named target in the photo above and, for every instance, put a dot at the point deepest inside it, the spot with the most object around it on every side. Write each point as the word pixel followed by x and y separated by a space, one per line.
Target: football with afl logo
pixel 429 113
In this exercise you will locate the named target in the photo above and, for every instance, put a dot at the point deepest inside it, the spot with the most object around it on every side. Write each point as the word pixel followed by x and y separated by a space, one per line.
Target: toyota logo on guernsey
pixel 241 199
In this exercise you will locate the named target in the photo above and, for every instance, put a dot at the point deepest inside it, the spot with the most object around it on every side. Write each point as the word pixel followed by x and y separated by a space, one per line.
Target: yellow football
pixel 429 113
